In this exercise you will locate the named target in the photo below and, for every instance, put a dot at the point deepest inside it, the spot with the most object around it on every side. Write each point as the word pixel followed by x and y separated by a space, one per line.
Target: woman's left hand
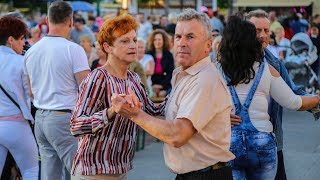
pixel 126 105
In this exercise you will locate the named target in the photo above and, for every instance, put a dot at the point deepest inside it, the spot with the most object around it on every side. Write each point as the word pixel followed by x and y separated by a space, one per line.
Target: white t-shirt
pixel 51 64
pixel 144 30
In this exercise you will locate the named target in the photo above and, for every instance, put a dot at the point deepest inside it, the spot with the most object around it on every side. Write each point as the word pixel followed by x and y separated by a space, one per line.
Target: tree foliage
pixel 224 3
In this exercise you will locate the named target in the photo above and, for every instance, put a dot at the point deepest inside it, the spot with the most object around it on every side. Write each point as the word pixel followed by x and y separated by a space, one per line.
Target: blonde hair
pixel 86 38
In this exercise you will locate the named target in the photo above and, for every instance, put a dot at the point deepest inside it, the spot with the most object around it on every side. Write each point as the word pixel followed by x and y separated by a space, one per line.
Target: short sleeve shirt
pixel 200 95
pixel 51 64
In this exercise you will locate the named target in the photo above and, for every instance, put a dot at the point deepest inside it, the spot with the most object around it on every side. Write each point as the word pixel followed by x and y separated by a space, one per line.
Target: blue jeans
pixel 56 144
pixel 256 155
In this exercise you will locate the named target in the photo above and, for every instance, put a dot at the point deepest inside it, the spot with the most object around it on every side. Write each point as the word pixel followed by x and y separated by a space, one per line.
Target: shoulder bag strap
pixel 6 93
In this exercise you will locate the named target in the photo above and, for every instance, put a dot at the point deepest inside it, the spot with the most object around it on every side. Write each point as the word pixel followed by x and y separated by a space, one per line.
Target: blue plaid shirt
pixel 275 110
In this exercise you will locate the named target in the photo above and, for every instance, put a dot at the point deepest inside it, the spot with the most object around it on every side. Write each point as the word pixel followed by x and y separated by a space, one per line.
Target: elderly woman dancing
pixel 106 143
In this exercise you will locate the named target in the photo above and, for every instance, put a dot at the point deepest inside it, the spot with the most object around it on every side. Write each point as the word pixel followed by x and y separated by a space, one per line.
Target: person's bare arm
pixel 81 75
pixel 308 102
pixel 175 132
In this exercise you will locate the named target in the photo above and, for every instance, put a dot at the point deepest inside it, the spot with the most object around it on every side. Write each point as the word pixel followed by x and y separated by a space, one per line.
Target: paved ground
pixel 302 152
pixel 149 164
pixel 302 146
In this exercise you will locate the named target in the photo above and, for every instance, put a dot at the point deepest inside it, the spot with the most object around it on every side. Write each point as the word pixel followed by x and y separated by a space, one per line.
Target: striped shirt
pixel 106 146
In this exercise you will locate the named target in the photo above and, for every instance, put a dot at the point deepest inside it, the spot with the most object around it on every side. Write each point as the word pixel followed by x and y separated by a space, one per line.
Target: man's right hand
pixel 235 120
pixel 126 105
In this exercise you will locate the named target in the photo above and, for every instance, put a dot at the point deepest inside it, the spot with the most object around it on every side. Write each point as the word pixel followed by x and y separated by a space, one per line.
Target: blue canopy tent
pixel 82 6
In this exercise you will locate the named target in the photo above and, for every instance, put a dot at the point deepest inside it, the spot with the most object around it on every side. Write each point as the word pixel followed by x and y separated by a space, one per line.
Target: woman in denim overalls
pixel 243 66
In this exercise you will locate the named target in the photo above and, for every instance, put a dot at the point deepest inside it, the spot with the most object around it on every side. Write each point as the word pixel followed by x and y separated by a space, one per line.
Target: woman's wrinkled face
pixel 125 47
pixel 17 44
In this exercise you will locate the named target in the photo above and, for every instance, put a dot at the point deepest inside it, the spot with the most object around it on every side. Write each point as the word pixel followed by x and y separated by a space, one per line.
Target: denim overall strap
pixel 235 99
pixel 253 89
pixel 242 110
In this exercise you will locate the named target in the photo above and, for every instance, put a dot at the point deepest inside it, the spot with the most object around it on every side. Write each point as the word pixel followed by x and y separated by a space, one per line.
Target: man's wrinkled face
pixel 191 43
pixel 263 29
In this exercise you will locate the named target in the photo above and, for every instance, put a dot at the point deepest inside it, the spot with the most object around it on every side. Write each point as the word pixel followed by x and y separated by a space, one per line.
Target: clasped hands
pixel 130 106
pixel 127 105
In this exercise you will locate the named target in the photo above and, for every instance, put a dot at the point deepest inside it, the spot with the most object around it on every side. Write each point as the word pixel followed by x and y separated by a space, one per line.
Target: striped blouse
pixel 106 146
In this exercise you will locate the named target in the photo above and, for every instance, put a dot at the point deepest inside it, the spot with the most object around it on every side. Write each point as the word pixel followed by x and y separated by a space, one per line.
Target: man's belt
pixel 59 110
pixel 216 166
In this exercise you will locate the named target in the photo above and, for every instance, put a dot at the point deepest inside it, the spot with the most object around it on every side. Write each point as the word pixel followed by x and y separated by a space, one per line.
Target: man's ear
pixel 107 47
pixel 70 23
pixel 209 45
pixel 47 20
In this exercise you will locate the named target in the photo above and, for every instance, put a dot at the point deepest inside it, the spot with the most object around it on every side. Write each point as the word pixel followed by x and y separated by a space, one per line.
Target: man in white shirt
pixel 55 68
pixel 145 27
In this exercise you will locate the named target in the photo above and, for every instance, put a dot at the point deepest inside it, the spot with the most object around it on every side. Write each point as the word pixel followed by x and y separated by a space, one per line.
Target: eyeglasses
pixel 215 35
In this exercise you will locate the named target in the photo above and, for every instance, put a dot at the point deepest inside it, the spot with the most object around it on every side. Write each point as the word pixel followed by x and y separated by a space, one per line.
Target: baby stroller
pixel 299 62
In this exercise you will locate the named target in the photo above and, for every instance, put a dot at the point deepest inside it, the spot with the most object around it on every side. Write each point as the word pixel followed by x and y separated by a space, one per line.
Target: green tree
pixel 224 3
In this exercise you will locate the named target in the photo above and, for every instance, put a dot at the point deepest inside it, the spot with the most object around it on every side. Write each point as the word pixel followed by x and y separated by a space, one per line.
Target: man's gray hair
pixel 59 12
pixel 259 13
pixel 190 14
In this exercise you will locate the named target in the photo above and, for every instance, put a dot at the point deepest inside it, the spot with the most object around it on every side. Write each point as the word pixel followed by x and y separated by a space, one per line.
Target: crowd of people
pixel 94 85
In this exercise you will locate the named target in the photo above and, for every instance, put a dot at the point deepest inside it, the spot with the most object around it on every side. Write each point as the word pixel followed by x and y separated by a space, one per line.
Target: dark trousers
pixel 281 171
pixel 224 173
pixel 10 169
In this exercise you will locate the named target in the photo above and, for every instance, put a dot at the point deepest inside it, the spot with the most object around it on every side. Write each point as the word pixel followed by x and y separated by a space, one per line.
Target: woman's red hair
pixel 11 26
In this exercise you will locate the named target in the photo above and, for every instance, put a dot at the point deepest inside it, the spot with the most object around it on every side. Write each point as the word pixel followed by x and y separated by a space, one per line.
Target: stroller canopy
pixel 301 42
